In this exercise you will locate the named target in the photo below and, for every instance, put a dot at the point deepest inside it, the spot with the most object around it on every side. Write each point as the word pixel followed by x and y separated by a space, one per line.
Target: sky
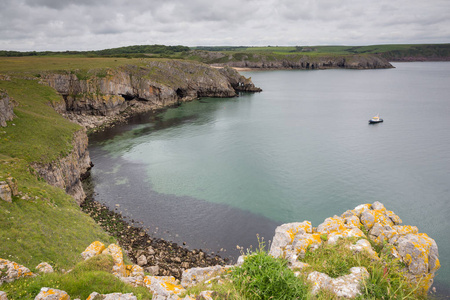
pixel 59 25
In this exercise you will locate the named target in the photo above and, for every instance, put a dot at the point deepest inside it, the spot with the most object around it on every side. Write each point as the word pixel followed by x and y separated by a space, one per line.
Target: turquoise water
pixel 214 173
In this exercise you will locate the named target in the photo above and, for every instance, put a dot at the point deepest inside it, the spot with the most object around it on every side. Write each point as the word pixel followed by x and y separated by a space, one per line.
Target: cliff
pixel 291 61
pixel 108 92
pixel 67 171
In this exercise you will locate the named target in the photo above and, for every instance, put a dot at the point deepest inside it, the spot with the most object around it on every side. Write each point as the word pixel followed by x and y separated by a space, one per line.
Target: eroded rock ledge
pixel 107 93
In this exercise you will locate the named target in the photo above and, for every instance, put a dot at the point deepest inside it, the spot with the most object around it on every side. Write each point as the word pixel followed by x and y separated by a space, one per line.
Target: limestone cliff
pixel 67 171
pixel 6 108
pixel 292 61
pixel 156 84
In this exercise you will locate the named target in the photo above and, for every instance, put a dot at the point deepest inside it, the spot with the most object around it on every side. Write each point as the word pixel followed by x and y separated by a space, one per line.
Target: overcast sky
pixel 100 24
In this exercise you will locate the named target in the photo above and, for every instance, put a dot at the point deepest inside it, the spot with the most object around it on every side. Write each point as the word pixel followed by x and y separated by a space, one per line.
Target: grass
pixel 48 227
pixel 38 133
pixel 386 280
pixel 264 277
pixel 93 275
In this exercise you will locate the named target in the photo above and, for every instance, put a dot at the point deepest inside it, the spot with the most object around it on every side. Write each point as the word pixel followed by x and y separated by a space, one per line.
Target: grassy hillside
pixel 43 223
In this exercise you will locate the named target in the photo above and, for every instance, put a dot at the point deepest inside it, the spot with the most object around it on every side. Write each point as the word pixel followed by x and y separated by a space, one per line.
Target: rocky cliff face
pixel 156 84
pixel 67 171
pixel 6 108
pixel 294 61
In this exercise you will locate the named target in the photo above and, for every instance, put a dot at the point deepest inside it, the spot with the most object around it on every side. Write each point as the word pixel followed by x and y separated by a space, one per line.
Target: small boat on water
pixel 375 119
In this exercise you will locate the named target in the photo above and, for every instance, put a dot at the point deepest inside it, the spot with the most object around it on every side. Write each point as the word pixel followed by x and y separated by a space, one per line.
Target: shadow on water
pixel 199 224
pixel 123 185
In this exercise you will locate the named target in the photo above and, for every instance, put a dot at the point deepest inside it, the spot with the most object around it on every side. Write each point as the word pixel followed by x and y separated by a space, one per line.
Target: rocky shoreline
pixel 157 256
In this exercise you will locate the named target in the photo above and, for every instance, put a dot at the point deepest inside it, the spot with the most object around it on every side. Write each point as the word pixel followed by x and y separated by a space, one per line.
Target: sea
pixel 221 174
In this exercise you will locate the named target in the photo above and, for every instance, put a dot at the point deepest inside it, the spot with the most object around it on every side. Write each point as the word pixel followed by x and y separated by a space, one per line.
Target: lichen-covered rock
pixel 117 255
pixel 51 294
pixel 285 235
pixel 347 286
pixel 10 271
pixel 135 275
pixel 164 286
pixel 364 245
pixel 334 236
pixel 113 296
pixel 302 243
pixel 194 276
pixel 44 267
pixel 93 249
pixel 206 295
pixel 3 296
pixel 5 192
pixel 420 254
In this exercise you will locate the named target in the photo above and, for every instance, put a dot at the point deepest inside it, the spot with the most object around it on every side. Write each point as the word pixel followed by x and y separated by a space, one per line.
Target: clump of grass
pixel 335 260
pixel 386 278
pixel 93 275
pixel 264 277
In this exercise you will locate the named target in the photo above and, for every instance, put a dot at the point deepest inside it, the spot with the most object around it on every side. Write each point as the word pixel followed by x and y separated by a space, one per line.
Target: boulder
pixel 163 286
pixel 12 182
pixel 116 252
pixel 152 270
pixel 347 286
pixel 6 108
pixel 142 260
pixel 5 192
pixel 10 271
pixel 113 296
pixel 3 296
pixel 285 235
pixel 194 276
pixel 44 267
pixel 364 245
pixel 419 252
pixel 93 249
pixel 51 294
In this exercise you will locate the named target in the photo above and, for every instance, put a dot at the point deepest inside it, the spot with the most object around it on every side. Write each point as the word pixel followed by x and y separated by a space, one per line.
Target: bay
pixel 214 173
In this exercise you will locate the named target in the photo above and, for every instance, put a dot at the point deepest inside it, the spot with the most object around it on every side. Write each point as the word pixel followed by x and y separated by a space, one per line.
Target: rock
pixel 3 296
pixel 113 296
pixel 206 295
pixel 44 267
pixel 150 250
pixel 285 235
pixel 116 252
pixel 10 271
pixel 5 192
pixel 364 245
pixel 93 249
pixel 142 260
pixel 135 275
pixel 12 182
pixel 66 171
pixel 51 294
pixel 420 254
pixel 334 236
pixel 347 286
pixel 194 276
pixel 153 270
pixel 6 109
pixel 165 286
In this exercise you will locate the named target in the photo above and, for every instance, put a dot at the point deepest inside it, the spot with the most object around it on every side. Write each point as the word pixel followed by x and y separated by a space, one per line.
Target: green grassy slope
pixel 49 225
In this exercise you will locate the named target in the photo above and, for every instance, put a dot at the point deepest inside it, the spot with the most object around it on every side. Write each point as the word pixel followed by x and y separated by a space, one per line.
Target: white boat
pixel 376 119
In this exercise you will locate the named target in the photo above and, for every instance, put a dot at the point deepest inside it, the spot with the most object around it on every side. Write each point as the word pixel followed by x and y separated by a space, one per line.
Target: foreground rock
pixel 416 250
pixel 8 189
pixel 10 271
pixel 52 294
